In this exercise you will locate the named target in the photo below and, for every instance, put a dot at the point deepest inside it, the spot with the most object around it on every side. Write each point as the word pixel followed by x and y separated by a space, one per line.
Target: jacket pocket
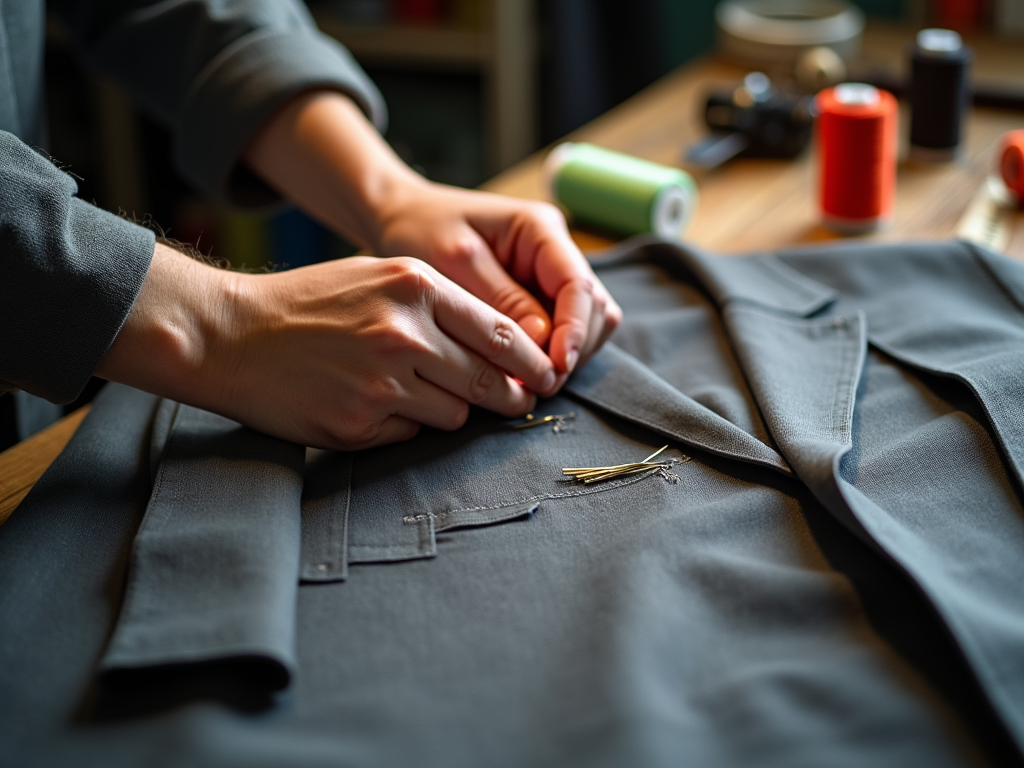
pixel 389 503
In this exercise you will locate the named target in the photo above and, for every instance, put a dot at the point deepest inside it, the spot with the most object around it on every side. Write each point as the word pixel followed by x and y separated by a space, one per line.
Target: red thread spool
pixel 1011 164
pixel 857 143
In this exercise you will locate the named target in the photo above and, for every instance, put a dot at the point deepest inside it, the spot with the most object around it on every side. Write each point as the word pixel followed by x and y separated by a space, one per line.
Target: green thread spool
pixel 620 193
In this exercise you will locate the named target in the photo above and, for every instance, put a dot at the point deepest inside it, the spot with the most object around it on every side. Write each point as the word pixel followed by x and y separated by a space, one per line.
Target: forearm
pixel 322 153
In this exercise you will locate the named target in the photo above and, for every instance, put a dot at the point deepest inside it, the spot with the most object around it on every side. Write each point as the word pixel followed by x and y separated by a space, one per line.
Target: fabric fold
pixel 214 568
pixel 616 382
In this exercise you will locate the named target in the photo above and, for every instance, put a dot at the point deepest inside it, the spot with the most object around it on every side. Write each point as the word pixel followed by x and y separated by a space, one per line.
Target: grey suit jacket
pixel 833 578
pixel 213 71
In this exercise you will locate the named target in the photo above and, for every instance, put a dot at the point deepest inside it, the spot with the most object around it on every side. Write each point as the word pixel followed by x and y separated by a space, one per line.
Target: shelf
pixel 448 47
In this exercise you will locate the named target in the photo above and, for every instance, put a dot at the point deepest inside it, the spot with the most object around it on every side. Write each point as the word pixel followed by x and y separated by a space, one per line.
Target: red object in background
pixel 1011 163
pixel 857 149
pixel 420 12
pixel 963 16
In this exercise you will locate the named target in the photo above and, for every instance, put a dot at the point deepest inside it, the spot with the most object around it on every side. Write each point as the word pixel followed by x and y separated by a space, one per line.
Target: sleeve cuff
pixel 243 87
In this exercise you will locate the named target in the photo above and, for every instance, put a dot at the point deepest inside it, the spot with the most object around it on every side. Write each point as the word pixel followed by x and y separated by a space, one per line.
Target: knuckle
pixel 577 330
pixel 381 392
pixel 513 301
pixel 411 278
pixel 547 213
pixel 395 339
pixel 501 338
pixel 481 383
pixel 582 284
pixel 358 431
pixel 460 250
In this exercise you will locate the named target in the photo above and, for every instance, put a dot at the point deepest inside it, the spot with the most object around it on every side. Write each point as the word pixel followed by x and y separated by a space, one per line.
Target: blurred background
pixel 472 87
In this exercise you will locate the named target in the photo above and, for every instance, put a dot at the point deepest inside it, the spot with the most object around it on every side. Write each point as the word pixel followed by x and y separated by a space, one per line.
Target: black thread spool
pixel 939 94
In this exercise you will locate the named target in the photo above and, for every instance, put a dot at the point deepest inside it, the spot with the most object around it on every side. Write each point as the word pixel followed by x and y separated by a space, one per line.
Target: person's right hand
pixel 347 354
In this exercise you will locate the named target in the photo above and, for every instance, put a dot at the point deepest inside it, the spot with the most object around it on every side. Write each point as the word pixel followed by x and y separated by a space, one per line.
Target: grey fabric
pixel 213 71
pixel 201 590
pixel 832 578
pixel 70 275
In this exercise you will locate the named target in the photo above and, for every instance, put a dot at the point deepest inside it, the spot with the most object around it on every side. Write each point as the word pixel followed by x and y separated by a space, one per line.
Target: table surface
pixel 747 205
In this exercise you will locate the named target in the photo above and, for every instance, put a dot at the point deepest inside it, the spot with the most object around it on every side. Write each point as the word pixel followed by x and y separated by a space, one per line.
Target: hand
pixel 322 153
pixel 495 247
pixel 347 355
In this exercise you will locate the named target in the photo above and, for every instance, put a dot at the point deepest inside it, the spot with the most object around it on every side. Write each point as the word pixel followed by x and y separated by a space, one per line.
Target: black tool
pixel 753 120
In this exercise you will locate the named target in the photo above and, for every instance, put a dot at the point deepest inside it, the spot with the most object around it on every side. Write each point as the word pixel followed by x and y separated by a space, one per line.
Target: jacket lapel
pixel 804 375
pixel 619 384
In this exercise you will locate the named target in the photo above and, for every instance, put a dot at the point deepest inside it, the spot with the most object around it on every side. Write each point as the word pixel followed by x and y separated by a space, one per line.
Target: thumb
pixel 471 263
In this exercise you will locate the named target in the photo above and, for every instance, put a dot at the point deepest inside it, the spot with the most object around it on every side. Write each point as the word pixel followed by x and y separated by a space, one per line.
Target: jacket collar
pixel 761 280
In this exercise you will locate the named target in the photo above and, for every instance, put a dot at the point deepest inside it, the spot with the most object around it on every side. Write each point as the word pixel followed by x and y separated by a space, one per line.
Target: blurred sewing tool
pixel 753 120
pixel 989 216
pixel 819 68
pixel 596 474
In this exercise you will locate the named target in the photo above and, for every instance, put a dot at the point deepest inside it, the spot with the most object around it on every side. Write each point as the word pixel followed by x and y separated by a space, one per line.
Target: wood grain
pixel 22 465
pixel 748 205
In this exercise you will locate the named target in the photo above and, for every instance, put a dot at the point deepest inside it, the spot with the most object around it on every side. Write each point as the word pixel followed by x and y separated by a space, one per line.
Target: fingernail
pixel 548 382
pixel 536 328
pixel 571 359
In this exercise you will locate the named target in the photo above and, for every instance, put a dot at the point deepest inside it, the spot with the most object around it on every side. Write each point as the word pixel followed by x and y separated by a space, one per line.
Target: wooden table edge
pixel 23 464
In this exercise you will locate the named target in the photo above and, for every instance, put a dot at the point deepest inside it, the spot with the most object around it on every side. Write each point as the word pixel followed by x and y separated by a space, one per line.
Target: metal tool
pixel 753 120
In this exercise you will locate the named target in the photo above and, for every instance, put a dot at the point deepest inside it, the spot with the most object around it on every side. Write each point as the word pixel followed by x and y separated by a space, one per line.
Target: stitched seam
pixel 846 392
pixel 410 519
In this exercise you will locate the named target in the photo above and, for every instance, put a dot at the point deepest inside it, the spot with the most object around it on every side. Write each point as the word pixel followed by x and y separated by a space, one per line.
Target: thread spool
pixel 620 193
pixel 857 146
pixel 1011 164
pixel 939 83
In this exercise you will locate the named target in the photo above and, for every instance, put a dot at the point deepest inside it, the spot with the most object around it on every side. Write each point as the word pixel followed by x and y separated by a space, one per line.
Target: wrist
pixel 181 333
pixel 322 153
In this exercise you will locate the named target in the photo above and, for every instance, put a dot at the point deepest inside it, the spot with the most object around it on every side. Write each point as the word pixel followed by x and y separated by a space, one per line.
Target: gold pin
pixel 557 421
pixel 595 474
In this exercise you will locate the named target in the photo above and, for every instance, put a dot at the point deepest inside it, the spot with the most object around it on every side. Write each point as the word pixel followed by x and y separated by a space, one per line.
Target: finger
pixel 432 405
pixel 393 429
pixel 471 263
pixel 594 332
pixel 472 379
pixel 574 307
pixel 534 244
pixel 492 335
pixel 612 317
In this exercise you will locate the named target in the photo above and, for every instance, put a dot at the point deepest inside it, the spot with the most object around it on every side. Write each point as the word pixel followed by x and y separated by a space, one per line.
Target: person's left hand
pixel 500 249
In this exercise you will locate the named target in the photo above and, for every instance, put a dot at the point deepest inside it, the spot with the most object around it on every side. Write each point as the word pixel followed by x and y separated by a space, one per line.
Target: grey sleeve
pixel 69 275
pixel 214 71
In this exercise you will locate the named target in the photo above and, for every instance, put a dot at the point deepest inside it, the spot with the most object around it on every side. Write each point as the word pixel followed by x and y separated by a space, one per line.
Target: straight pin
pixel 589 475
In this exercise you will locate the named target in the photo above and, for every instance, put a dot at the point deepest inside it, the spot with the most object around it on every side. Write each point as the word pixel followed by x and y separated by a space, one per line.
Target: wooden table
pixel 747 205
